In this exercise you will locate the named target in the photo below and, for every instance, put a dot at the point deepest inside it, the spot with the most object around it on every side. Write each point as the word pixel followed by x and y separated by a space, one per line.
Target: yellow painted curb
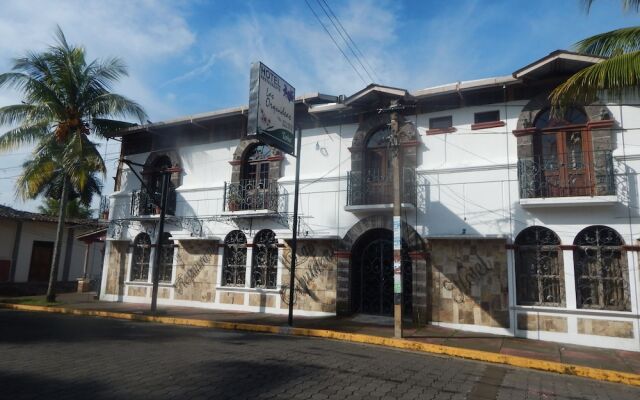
pixel 541 365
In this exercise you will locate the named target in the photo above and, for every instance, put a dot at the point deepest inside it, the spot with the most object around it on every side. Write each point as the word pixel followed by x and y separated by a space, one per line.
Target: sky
pixel 188 57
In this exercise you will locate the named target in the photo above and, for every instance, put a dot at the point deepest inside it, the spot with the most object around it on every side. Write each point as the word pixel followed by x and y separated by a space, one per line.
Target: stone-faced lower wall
pixel 316 268
pixel 196 262
pixel 469 282
pixel 117 268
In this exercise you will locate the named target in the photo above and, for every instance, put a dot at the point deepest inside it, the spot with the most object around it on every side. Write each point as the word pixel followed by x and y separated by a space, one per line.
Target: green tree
pixel 619 72
pixel 75 208
pixel 65 99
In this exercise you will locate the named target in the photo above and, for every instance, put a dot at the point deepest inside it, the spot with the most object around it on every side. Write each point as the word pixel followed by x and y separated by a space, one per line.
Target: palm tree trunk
pixel 53 277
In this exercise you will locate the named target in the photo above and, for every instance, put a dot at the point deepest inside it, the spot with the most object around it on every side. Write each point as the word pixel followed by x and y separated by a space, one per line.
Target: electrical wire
pixel 351 40
pixel 335 42
pixel 343 36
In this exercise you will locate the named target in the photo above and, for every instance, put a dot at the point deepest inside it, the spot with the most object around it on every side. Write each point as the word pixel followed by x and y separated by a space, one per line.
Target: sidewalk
pixel 381 327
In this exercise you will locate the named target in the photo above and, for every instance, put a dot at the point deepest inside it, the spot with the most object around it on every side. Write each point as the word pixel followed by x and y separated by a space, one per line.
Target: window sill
pixel 486 125
pixel 249 213
pixel 248 289
pixel 440 131
pixel 569 201
pixel 146 283
pixel 576 311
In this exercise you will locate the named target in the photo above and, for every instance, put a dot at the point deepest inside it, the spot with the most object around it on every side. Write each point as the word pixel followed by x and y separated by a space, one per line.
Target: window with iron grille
pixel 166 258
pixel 141 257
pixel 601 271
pixel 235 259
pixel 539 271
pixel 264 266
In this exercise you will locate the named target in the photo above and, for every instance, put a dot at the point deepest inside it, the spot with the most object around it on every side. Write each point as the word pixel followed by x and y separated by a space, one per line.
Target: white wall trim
pixel 214 306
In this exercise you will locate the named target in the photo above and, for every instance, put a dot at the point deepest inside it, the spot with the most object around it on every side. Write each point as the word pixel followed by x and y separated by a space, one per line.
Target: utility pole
pixel 294 239
pixel 394 148
pixel 164 193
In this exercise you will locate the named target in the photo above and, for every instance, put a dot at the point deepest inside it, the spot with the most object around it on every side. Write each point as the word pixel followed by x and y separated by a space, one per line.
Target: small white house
pixel 26 252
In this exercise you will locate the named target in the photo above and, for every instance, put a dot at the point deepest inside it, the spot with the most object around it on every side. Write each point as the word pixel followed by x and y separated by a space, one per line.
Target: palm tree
pixel 65 99
pixel 618 73
pixel 75 208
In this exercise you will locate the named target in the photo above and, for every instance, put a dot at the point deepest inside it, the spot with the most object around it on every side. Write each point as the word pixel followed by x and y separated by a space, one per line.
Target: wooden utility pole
pixel 394 147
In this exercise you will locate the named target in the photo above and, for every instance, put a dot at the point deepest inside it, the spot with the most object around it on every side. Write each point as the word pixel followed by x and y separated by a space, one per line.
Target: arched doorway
pixel 372 274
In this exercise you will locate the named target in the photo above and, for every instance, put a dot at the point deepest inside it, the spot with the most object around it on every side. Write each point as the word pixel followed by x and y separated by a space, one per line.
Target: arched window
pixel 141 256
pixel 147 202
pixel 539 272
pixel 255 171
pixel 166 258
pixel 264 266
pixel 563 151
pixel 602 275
pixel 378 176
pixel 235 259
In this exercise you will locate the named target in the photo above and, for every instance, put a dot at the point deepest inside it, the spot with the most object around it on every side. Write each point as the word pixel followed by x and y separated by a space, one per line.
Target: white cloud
pixel 142 33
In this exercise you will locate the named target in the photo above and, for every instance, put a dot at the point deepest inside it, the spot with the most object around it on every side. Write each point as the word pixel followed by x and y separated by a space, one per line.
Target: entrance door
pixel 41 256
pixel 372 274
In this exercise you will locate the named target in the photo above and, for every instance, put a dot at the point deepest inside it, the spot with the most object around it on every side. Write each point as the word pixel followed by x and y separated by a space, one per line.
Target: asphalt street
pixel 50 356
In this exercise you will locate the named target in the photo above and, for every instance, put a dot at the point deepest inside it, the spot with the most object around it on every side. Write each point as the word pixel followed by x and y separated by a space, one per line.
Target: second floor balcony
pixel 567 175
pixel 254 195
pixel 371 189
pixel 144 204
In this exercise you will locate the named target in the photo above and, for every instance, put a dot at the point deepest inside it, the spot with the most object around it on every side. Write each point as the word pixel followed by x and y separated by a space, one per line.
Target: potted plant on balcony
pixel 234 202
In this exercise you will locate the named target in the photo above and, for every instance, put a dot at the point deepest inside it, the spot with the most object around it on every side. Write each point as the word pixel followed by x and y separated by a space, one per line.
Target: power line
pixel 343 36
pixel 352 41
pixel 334 41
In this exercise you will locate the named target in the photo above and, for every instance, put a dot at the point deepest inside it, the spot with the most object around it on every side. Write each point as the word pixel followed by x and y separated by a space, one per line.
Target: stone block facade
pixel 316 276
pixel 196 268
pixel 117 271
pixel 469 282
pixel 600 327
pixel 536 322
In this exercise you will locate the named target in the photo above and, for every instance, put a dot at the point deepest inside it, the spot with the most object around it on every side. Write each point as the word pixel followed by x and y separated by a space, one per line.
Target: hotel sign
pixel 271 108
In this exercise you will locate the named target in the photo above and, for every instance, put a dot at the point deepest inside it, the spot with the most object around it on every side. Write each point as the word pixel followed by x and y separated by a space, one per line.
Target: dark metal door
pixel 376 278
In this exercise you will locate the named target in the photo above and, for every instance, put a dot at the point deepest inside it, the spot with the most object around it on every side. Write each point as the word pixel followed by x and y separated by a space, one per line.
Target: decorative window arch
pixel 601 271
pixel 141 257
pixel 166 258
pixel 235 259
pixel 539 270
pixel 256 165
pixel 264 266
pixel 145 202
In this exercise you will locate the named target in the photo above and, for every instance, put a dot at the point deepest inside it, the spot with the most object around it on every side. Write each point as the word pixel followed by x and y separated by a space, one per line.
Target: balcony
pixel 143 204
pixel 252 197
pixel 371 190
pixel 567 179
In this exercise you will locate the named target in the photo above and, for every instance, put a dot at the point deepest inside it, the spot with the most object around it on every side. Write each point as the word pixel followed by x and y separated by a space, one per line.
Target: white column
pixel 569 279
pixel 247 276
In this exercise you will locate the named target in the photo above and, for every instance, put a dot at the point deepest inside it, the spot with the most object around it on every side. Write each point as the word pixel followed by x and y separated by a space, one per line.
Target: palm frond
pixel 23 135
pixel 613 75
pixel 608 44
pixel 627 5
pixel 111 104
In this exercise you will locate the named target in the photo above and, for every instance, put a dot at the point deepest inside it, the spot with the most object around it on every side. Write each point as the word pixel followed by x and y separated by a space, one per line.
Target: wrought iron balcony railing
pixel 371 187
pixel 142 203
pixel 567 174
pixel 252 194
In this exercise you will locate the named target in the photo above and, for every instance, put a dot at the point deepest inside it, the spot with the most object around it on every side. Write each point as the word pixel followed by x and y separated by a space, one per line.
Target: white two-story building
pixel 515 221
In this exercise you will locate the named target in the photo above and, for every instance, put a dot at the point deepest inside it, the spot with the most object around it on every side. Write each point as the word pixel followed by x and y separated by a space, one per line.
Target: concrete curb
pixel 477 355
